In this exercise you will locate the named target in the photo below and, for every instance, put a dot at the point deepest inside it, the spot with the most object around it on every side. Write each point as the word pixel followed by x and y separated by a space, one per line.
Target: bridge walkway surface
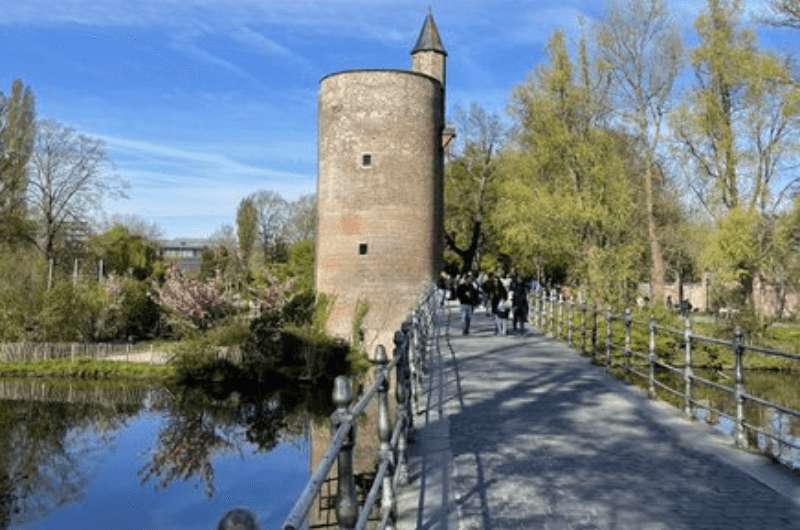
pixel 523 432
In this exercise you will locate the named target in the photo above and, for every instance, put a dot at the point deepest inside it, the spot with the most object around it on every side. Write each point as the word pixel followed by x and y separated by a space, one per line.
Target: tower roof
pixel 429 39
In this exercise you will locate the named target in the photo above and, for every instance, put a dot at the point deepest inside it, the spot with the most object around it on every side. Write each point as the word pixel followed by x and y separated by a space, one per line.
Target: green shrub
pixel 70 313
pixel 300 266
pixel 234 332
pixel 300 308
pixel 22 283
pixel 262 352
pixel 322 312
pixel 129 311
pixel 313 355
pixel 198 360
pixel 357 331
pixel 276 348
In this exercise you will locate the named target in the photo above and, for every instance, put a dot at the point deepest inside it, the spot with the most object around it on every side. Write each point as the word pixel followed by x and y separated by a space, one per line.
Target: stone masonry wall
pixel 394 206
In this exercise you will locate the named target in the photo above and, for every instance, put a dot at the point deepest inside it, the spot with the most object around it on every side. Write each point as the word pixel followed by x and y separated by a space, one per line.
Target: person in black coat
pixel 467 296
pixel 520 309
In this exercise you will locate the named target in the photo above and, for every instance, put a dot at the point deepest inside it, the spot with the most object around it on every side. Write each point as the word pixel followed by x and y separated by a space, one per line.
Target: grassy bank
pixel 86 369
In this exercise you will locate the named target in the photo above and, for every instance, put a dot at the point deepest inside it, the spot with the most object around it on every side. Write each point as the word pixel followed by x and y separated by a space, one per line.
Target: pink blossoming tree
pixel 199 303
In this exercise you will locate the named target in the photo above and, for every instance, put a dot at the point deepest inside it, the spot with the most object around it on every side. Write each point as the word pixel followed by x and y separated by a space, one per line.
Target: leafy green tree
pixel 23 273
pixel 125 253
pixel 567 201
pixel 737 131
pixel 17 131
pixel 470 183
pixel 128 310
pixel 640 45
pixel 300 267
pixel 736 128
pixel 246 227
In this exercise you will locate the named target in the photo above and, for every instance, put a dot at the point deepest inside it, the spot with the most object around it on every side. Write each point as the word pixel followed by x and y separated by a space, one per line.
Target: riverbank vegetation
pixel 87 369
pixel 71 276
pixel 630 160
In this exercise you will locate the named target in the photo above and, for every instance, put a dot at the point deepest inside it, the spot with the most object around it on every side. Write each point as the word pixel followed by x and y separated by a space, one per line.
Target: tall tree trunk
pixel 468 254
pixel 657 267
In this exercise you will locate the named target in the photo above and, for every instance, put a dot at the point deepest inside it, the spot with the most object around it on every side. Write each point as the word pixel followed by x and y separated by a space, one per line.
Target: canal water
pixel 139 457
pixel 718 408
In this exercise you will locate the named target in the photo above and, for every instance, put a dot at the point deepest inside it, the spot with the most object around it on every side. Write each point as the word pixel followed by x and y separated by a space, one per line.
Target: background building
pixel 186 253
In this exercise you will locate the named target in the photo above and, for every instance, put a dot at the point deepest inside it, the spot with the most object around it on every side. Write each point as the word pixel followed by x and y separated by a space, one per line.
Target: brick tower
pixel 379 189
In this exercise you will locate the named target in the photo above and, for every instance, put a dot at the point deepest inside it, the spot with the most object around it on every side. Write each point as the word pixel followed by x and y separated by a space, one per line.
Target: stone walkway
pixel 521 432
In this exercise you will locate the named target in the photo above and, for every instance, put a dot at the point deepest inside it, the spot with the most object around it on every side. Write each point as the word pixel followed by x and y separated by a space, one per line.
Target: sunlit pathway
pixel 521 432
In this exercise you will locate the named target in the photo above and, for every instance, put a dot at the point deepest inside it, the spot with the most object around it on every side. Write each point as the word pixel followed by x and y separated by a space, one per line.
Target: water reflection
pixel 779 387
pixel 63 447
pixel 199 426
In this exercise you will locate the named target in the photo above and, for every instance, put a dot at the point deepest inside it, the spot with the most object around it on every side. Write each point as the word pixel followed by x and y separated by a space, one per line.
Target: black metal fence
pixel 411 345
pixel 614 347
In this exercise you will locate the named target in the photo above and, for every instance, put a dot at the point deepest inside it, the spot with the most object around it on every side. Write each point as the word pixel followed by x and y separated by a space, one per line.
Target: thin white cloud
pixel 260 43
pixel 191 191
pixel 206 164
pixel 187 43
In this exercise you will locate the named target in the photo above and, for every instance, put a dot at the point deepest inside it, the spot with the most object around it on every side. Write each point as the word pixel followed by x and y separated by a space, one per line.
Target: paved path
pixel 521 432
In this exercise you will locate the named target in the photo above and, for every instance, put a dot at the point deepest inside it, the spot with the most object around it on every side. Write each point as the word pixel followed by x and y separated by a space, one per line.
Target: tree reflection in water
pixel 199 426
pixel 44 448
pixel 47 447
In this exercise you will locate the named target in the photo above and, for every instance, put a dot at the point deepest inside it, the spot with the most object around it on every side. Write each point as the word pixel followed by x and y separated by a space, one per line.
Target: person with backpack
pixel 501 307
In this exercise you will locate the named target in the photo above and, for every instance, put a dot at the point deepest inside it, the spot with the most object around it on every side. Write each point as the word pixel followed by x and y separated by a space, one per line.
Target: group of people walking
pixel 505 296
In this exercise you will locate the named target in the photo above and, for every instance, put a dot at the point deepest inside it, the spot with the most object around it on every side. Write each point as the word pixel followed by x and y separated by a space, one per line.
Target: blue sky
pixel 201 102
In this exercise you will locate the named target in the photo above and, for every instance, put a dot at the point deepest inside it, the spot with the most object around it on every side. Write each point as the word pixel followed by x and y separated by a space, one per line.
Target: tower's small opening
pixel 362 249
pixel 366 160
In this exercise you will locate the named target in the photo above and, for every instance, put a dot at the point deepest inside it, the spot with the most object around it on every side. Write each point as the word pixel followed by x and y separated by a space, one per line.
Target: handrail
pixel 410 346
pixel 547 304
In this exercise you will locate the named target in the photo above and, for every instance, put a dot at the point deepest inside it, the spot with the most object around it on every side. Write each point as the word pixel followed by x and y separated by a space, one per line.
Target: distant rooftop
pixel 185 242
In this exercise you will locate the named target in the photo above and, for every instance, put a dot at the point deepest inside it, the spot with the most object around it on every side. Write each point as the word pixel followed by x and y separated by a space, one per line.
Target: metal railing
pixel 411 345
pixel 548 316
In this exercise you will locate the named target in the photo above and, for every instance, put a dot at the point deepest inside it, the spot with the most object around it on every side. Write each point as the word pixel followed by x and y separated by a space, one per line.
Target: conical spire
pixel 429 39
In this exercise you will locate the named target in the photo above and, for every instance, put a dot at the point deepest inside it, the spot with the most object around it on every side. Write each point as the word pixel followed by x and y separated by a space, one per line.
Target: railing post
pixel 550 304
pixel 738 351
pixel 570 316
pixel 411 390
pixel 583 328
pixel 409 350
pixel 594 330
pixel 540 305
pixel 651 357
pixel 346 503
pixel 628 348
pixel 687 368
pixel 560 322
pixel 543 316
pixel 385 452
pixel 402 395
pixel 545 310
pixel 608 338
pixel 540 309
